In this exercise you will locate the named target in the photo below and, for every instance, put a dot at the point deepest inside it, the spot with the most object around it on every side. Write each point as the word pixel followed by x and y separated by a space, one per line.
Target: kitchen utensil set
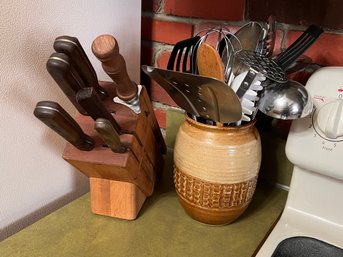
pixel 245 62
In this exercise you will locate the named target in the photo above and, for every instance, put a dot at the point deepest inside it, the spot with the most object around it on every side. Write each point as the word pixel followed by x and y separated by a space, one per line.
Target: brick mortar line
pixel 190 20
pixel 197 21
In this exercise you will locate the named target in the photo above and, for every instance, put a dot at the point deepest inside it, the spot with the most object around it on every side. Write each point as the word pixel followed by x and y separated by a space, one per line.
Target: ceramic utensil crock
pixel 216 170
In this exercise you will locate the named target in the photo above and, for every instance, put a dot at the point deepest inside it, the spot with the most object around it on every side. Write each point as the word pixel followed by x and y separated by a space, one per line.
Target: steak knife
pixel 109 135
pixel 56 118
pixel 91 102
pixel 58 65
pixel 73 48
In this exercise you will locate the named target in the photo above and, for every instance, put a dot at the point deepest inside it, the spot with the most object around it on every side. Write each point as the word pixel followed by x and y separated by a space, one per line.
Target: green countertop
pixel 161 229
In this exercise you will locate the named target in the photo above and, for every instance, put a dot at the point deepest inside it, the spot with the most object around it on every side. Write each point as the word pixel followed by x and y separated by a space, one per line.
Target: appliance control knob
pixel 330 119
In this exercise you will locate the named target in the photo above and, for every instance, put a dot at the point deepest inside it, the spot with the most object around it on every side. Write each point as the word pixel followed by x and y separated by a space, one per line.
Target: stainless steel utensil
pixel 258 64
pixel 249 36
pixel 223 46
pixel 198 95
pixel 286 101
pixel 289 100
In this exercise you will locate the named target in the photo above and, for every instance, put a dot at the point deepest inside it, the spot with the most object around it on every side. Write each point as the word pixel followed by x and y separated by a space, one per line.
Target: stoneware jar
pixel 216 169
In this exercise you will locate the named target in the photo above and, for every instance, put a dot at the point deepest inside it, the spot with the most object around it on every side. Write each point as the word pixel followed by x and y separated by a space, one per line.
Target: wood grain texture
pixel 120 180
pixel 106 49
pixel 209 62
pixel 115 199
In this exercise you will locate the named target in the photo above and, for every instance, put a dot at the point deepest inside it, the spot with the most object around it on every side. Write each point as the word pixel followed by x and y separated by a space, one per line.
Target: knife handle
pixel 91 102
pixel 72 47
pixel 106 49
pixel 109 135
pixel 56 118
pixel 58 65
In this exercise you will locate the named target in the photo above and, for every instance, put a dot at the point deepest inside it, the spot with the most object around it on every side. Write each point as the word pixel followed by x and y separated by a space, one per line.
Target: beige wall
pixel 34 180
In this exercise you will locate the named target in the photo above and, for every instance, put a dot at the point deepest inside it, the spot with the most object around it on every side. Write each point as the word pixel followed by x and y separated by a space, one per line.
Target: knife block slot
pixel 120 182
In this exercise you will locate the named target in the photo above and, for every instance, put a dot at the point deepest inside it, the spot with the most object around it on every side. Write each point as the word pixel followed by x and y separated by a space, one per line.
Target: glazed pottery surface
pixel 216 170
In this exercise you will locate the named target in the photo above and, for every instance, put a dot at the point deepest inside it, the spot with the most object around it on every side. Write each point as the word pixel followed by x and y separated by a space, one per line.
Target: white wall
pixel 34 179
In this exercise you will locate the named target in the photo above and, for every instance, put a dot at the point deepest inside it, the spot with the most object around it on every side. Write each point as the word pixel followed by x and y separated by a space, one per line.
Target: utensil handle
pixel 58 65
pixel 246 83
pixel 109 135
pixel 72 47
pixel 106 49
pixel 56 118
pixel 298 47
pixel 90 101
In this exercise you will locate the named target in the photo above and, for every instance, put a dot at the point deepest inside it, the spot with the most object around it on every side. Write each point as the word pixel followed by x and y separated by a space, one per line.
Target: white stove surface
pixel 314 205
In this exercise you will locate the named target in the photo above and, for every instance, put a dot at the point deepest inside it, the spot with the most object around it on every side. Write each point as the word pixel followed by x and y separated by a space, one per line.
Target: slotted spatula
pixel 180 57
pixel 198 95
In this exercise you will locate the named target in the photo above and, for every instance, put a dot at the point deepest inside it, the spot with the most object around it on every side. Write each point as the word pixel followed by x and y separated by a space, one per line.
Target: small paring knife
pixel 109 135
pixel 56 118
pixel 91 102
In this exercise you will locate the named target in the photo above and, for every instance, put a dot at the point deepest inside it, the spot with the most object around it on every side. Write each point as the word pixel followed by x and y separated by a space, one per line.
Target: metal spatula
pixel 200 96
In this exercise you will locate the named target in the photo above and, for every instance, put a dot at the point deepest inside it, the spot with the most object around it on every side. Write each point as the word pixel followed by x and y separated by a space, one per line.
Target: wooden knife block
pixel 120 182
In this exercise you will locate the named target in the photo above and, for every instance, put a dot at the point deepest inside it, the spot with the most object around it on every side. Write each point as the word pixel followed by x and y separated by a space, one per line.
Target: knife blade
pixel 56 118
pixel 58 65
pixel 106 49
pixel 91 102
pixel 72 47
pixel 109 135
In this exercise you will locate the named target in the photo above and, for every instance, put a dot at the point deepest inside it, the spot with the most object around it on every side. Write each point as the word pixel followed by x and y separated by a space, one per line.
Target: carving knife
pixel 78 57
pixel 91 102
pixel 109 135
pixel 106 49
pixel 58 65
pixel 55 117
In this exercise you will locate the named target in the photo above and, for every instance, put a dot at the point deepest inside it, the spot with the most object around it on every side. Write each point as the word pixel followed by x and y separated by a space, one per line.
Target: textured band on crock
pixel 213 195
pixel 213 203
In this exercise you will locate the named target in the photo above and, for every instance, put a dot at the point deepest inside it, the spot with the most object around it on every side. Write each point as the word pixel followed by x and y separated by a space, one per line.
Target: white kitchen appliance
pixel 314 207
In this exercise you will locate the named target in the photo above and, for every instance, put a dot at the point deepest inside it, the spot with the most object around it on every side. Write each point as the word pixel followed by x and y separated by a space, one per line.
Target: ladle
pixel 286 101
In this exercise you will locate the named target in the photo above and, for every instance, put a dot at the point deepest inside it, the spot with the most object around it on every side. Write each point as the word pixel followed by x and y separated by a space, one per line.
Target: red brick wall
pixel 165 22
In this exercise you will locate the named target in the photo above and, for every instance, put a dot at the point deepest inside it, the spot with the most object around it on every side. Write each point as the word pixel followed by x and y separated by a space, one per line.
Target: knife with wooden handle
pixel 58 65
pixel 56 118
pixel 91 102
pixel 106 49
pixel 109 135
pixel 72 47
